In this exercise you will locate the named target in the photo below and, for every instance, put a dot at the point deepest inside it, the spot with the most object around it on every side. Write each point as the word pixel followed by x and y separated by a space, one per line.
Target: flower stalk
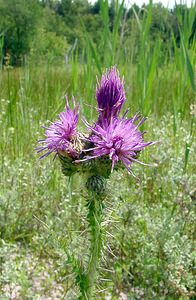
pixel 94 219
pixel 96 193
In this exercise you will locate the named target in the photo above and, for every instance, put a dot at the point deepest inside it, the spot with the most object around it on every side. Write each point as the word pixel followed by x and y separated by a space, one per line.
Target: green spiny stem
pixel 96 186
pixel 94 219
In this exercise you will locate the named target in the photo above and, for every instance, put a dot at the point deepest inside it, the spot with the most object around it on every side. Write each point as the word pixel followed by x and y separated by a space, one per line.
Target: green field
pixel 149 243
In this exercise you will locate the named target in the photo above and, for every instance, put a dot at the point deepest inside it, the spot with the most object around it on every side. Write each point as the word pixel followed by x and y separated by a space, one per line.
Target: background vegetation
pixel 51 48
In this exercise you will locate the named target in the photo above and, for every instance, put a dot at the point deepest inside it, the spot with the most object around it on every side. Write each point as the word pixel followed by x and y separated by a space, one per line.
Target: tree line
pixel 54 29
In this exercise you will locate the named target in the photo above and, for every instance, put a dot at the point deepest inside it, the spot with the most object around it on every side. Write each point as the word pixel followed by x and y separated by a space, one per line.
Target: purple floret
pixel 110 95
pixel 120 139
pixel 60 135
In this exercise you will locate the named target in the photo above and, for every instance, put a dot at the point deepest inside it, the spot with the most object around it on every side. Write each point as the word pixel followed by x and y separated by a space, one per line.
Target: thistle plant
pixel 111 143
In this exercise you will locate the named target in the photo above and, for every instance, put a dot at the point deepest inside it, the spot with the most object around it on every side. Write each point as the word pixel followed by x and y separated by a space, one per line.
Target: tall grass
pixel 150 78
pixel 1 49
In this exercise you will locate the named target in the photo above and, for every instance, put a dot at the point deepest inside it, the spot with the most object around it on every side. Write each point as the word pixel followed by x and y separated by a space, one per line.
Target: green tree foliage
pixel 50 29
pixel 18 22
pixel 72 13
pixel 50 41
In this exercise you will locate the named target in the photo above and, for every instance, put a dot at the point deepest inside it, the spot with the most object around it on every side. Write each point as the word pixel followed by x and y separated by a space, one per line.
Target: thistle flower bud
pixel 110 95
pixel 96 184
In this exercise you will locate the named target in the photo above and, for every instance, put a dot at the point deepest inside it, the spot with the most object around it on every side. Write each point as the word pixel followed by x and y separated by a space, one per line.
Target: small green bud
pixel 96 184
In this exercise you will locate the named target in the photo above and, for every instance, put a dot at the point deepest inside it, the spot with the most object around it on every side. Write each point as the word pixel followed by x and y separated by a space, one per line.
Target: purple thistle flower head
pixel 110 95
pixel 119 139
pixel 115 138
pixel 62 136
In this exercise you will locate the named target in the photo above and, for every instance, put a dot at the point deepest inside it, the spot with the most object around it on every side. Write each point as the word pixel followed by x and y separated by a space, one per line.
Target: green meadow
pixel 149 244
